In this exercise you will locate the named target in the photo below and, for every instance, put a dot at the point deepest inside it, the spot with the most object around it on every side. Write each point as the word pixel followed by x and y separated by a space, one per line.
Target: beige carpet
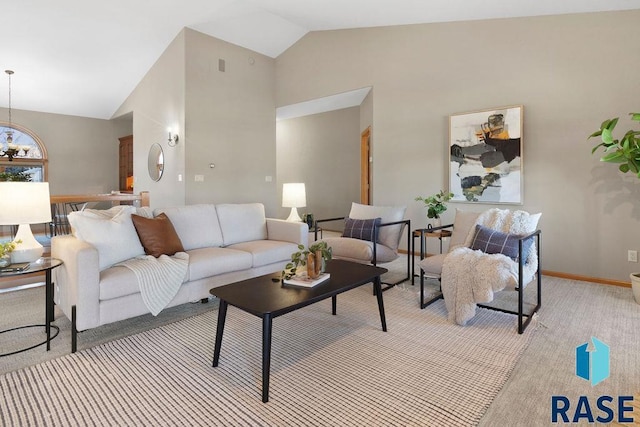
pixel 571 313
pixel 326 370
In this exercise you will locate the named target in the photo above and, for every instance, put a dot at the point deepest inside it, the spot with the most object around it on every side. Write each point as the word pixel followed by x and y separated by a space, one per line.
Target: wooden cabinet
pixel 126 163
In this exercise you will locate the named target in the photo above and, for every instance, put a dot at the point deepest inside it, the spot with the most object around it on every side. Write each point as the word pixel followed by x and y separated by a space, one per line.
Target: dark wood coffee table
pixel 267 299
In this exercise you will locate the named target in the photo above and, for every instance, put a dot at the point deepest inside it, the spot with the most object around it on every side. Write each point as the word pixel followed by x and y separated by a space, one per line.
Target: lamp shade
pixel 24 203
pixel 294 195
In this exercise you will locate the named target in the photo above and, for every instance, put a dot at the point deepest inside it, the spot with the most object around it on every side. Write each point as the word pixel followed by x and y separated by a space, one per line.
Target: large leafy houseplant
pixel 625 151
pixel 435 204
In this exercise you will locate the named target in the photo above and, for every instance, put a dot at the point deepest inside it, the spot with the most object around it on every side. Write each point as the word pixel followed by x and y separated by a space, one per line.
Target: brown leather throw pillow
pixel 157 235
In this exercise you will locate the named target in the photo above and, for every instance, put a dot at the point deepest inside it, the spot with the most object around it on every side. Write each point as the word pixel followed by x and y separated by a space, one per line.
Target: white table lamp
pixel 22 204
pixel 294 197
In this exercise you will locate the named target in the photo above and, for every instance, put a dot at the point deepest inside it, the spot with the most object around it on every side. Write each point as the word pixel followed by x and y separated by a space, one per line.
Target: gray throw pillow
pixel 363 229
pixel 496 242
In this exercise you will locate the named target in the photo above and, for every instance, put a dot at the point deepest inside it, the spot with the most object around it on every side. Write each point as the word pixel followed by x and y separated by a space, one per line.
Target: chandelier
pixel 9 148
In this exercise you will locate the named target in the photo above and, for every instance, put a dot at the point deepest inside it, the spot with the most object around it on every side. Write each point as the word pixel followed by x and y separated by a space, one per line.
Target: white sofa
pixel 225 243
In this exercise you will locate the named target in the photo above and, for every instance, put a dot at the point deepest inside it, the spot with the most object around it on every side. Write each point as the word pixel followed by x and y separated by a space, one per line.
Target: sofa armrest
pixel 287 231
pixel 77 281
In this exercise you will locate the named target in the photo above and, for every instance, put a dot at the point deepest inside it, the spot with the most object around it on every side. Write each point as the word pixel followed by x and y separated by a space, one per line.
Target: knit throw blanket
pixel 159 278
pixel 470 277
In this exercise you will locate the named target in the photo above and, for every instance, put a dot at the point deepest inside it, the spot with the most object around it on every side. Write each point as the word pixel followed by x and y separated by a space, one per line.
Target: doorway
pixel 365 161
pixel 126 164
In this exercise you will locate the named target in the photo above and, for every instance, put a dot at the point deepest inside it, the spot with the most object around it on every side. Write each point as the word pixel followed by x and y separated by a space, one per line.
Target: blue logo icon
pixel 593 364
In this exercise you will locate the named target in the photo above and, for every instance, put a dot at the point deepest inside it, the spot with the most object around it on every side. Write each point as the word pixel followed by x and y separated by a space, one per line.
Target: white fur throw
pixel 159 278
pixel 470 277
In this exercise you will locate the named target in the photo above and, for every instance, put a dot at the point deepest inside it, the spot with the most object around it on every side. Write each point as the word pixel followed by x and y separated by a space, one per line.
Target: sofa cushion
pixel 242 222
pixel 462 225
pixel 358 250
pixel 207 262
pixel 117 282
pixel 157 235
pixel 363 229
pixel 432 265
pixel 197 225
pixel 390 235
pixel 265 252
pixel 114 238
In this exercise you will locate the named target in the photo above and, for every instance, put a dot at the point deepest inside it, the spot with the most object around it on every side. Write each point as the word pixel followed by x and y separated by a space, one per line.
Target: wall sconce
pixel 173 139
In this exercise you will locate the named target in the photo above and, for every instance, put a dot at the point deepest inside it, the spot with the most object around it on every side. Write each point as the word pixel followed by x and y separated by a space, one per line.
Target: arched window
pixel 23 156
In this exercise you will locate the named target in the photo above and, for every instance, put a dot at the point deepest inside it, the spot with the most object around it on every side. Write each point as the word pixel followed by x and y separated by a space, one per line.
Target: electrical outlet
pixel 199 178
pixel 632 256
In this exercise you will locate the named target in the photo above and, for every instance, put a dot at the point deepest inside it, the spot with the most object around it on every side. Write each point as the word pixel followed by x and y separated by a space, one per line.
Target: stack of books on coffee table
pixel 305 281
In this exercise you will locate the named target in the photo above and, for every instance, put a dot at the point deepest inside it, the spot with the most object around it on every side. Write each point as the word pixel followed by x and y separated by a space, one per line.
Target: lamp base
pixel 293 216
pixel 29 249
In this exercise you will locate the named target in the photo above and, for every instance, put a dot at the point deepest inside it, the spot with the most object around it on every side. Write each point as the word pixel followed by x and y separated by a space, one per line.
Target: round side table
pixel 46 265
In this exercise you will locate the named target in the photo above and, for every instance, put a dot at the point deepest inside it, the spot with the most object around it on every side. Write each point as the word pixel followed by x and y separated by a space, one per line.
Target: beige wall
pixel 570 72
pixel 323 151
pixel 157 103
pixel 83 152
pixel 230 123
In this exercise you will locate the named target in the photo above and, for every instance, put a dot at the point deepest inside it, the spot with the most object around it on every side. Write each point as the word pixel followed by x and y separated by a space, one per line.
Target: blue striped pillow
pixel 363 229
pixel 496 242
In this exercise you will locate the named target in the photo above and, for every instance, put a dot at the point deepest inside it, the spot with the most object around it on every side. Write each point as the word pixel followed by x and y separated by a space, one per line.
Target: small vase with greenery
pixel 435 204
pixel 5 252
pixel 625 151
pixel 299 259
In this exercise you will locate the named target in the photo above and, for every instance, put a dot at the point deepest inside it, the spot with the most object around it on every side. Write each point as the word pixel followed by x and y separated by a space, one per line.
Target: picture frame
pixel 485 156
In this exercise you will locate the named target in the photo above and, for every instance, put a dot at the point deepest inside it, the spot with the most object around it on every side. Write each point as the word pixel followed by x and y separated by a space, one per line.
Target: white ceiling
pixel 321 105
pixel 83 57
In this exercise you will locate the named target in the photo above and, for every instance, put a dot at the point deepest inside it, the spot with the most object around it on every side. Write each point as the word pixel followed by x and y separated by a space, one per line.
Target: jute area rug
pixel 326 371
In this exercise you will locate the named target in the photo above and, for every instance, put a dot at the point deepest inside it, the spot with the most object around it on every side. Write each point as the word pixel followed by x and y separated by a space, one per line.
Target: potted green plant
pixel 625 151
pixel 435 205
pixel 8 175
pixel 5 252
pixel 299 258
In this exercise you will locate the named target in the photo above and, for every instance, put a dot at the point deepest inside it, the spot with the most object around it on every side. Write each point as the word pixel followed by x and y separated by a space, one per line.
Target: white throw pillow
pixel 114 237
pixel 97 214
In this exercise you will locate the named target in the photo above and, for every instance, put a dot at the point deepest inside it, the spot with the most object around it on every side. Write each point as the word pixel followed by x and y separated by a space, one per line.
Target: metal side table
pixel 423 234
pixel 46 265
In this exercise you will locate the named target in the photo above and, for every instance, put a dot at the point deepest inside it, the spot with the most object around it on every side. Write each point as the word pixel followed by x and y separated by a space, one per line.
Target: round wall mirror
pixel 156 162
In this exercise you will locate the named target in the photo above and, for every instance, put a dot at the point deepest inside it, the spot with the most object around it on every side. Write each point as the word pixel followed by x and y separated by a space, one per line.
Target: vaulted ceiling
pixel 84 58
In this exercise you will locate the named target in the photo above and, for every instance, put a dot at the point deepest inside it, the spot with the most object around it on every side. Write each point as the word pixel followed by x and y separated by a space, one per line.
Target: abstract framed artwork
pixel 485 156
